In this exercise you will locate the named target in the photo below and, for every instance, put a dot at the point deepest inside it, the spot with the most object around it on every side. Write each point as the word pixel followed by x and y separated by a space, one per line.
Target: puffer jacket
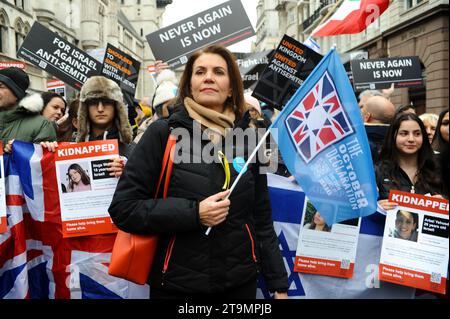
pixel 24 122
pixel 187 260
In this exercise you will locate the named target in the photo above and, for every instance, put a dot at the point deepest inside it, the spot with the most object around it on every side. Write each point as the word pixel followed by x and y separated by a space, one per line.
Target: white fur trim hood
pixel 33 103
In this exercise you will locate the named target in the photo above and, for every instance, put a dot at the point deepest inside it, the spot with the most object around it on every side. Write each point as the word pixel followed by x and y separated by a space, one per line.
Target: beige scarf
pixel 216 122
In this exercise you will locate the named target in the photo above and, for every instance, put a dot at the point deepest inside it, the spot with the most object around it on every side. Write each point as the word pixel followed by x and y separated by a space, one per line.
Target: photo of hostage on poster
pixel 313 219
pixel 86 188
pixel 325 249
pixel 406 226
pixel 415 245
pixel 78 179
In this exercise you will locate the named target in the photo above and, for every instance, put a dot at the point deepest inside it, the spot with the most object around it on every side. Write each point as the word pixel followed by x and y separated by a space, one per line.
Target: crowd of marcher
pixel 409 152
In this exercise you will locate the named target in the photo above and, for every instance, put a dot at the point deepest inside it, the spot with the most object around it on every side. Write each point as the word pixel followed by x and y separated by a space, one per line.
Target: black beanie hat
pixel 16 80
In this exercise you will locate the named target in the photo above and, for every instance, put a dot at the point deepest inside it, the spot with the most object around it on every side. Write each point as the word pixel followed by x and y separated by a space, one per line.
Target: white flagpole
pixel 263 139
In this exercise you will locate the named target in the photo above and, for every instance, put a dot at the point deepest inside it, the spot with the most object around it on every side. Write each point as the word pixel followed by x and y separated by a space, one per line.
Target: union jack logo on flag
pixel 319 120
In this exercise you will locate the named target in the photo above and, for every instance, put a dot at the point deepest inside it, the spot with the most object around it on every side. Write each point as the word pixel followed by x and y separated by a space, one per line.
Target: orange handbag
pixel 132 254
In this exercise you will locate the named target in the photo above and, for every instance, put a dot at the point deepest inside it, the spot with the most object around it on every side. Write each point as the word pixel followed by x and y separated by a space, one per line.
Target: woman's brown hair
pixel 237 98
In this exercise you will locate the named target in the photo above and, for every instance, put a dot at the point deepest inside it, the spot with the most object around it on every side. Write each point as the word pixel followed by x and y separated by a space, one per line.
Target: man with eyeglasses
pixel 102 116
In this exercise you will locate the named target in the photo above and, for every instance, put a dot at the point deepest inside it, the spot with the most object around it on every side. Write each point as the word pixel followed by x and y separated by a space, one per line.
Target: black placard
pixel 381 73
pixel 288 67
pixel 435 226
pixel 224 24
pixel 100 169
pixel 58 57
pixel 122 68
pixel 252 65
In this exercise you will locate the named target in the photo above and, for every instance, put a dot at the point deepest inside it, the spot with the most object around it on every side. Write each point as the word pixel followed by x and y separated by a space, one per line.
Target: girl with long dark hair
pixel 406 161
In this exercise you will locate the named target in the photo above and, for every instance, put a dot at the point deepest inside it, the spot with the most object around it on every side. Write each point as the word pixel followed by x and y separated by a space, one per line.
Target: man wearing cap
pixel 20 117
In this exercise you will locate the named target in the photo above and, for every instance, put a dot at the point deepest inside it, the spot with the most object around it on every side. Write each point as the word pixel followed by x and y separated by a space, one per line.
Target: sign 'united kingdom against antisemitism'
pixel 288 67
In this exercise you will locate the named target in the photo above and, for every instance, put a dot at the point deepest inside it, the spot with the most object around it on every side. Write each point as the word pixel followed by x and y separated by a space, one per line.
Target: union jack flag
pixel 36 262
pixel 319 120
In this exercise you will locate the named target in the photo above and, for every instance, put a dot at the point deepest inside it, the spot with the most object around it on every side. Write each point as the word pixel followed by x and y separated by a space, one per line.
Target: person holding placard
pixel 102 115
pixel 406 161
pixel 190 264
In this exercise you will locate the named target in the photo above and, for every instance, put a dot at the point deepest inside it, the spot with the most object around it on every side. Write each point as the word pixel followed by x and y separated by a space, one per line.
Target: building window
pixel 3 38
pixel 140 50
pixel 19 4
pixel 122 1
pixel 128 40
pixel 138 2
pixel 411 3
pixel 19 41
pixel 291 17
pixel 3 34
pixel 20 35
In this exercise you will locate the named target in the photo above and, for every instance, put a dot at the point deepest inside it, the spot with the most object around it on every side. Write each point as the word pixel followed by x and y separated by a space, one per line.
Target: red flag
pixel 353 16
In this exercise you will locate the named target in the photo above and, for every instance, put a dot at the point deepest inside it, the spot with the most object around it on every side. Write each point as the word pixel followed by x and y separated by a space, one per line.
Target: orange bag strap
pixel 167 165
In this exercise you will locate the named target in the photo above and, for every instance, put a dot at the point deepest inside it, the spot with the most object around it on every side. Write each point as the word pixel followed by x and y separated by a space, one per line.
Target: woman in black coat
pixel 189 263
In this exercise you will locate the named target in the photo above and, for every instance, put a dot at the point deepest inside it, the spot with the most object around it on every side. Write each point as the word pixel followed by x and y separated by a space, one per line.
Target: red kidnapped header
pixel 432 204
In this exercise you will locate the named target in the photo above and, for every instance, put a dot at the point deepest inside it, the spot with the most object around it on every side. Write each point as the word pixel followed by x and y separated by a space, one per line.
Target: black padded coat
pixel 188 261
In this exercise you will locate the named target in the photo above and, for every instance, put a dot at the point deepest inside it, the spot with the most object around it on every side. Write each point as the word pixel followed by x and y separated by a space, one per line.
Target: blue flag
pixel 321 137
